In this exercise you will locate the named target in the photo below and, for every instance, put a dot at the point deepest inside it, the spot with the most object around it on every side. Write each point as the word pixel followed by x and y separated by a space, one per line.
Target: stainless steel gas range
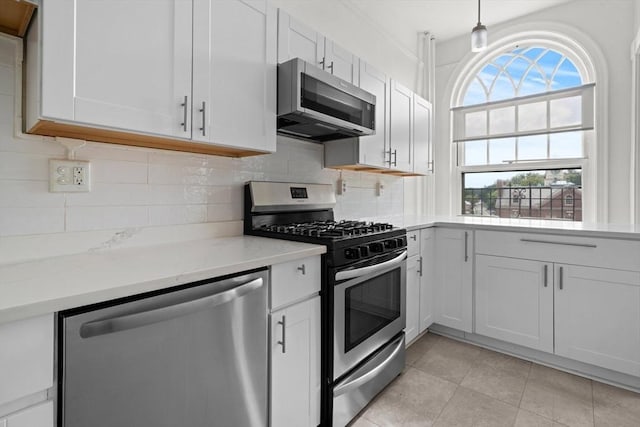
pixel 363 289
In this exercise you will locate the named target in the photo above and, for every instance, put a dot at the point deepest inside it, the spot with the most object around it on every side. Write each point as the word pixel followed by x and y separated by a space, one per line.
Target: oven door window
pixel 370 306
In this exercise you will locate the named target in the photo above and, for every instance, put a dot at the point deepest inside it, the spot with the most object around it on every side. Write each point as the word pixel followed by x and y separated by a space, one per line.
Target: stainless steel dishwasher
pixel 193 356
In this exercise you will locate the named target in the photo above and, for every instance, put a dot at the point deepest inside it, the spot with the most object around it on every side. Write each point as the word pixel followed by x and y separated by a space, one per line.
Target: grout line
pixel 593 405
pixel 525 384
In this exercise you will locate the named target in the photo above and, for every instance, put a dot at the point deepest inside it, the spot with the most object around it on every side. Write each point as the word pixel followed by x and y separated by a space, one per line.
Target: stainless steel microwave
pixel 318 106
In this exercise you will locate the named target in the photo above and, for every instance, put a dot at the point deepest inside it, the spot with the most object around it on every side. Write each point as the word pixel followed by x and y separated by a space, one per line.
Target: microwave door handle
pixel 353 383
pixel 350 274
pixel 143 318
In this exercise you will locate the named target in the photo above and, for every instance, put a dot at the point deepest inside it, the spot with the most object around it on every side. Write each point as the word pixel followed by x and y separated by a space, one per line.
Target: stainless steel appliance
pixel 318 106
pixel 363 289
pixel 191 356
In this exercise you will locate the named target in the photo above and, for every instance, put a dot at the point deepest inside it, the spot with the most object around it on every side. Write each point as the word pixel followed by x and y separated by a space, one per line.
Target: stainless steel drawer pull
pixel 466 246
pixel 560 279
pixel 303 269
pixel 184 117
pixel 546 275
pixel 420 261
pixel 283 322
pixel 331 66
pixel 203 110
pixel 582 245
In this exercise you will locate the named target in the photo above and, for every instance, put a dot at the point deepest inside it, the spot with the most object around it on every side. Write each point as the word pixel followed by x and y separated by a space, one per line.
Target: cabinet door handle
pixel 395 158
pixel 420 261
pixel 204 118
pixel 303 269
pixel 322 63
pixel 389 153
pixel 331 67
pixel 546 275
pixel 560 279
pixel 466 246
pixel 283 343
pixel 413 237
pixel 582 245
pixel 184 113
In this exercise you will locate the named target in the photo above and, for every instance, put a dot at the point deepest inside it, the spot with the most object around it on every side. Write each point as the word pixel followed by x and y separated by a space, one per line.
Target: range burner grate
pixel 344 228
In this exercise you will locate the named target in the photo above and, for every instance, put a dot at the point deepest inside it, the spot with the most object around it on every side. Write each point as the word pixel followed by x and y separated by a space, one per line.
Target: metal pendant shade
pixel 478 35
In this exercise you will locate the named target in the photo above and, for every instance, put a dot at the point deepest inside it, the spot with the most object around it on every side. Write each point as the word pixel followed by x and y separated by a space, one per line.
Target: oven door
pixel 369 308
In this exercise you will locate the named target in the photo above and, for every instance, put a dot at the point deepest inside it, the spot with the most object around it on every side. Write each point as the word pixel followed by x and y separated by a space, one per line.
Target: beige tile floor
pixel 449 383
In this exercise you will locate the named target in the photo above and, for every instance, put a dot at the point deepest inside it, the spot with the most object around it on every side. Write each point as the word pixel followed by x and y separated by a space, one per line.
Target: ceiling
pixel 445 19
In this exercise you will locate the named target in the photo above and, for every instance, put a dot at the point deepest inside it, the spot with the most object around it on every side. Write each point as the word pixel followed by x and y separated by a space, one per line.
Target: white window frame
pixel 574 45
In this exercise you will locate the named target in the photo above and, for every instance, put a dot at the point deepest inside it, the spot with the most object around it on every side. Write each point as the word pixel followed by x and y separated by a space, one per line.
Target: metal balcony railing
pixel 548 202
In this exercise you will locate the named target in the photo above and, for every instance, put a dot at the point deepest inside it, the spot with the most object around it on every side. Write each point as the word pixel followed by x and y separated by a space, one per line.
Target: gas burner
pixel 329 228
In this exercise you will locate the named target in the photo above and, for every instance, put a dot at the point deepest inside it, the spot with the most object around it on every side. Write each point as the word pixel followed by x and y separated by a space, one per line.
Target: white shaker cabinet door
pixel 372 147
pixel 340 62
pixel 514 301
pixel 295 365
pixel 427 277
pixel 454 287
pixel 400 127
pixel 296 40
pixel 234 75
pixel 412 299
pixel 119 64
pixel 597 316
pixel 422 136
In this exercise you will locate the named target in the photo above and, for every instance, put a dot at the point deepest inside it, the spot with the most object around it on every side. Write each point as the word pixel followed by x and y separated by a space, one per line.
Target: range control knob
pixel 402 242
pixel 364 251
pixel 376 247
pixel 390 244
pixel 352 253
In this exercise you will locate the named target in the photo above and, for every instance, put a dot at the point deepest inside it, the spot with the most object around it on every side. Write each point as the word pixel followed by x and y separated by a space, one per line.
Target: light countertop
pixel 47 285
pixel 573 228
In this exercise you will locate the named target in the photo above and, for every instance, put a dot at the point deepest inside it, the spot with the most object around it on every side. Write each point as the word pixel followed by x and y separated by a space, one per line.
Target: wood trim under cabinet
pixel 373 169
pixel 49 128
pixel 15 16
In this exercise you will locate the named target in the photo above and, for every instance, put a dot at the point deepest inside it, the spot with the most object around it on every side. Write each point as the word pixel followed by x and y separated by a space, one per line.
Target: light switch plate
pixel 69 176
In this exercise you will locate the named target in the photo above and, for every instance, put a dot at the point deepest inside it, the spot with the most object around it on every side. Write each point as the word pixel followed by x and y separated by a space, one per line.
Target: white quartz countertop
pixel 52 284
pixel 574 228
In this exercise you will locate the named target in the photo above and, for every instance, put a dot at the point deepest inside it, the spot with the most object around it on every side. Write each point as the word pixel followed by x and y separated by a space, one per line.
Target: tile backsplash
pixel 140 187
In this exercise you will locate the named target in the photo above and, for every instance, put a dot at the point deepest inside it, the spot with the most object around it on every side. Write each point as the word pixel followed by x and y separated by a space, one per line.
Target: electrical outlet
pixel 69 176
pixel 379 189
pixel 341 186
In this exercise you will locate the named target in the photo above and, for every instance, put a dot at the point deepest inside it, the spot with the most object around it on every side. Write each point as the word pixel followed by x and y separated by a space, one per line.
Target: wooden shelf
pixel 15 16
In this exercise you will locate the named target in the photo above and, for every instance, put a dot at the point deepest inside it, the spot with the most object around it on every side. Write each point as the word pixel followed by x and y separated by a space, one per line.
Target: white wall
pixel 610 25
pixel 139 187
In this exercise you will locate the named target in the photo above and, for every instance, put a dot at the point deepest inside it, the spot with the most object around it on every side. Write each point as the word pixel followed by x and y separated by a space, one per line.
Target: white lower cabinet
pixel 453 282
pixel 294 343
pixel 35 416
pixel 420 267
pixel 597 316
pixel 514 301
pixel 412 328
pixel 588 314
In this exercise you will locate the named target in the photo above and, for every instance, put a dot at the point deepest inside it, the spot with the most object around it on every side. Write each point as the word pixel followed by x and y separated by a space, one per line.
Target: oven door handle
pixel 357 272
pixel 362 378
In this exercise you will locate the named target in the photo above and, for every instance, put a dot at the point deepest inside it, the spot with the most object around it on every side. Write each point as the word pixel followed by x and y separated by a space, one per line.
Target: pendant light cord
pixel 478 12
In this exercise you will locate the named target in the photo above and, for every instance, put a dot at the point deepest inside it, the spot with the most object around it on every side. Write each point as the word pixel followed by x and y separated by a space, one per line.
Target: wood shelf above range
pixel 15 16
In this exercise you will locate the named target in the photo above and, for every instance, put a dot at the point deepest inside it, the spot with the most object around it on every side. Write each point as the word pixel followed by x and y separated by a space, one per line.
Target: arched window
pixel 520 128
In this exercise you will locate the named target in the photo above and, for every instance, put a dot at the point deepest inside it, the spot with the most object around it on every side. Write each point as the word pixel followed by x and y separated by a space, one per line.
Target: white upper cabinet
pixel 340 62
pixel 190 75
pixel 296 40
pixel 124 65
pixel 422 136
pixel 372 146
pixel 234 73
pixel 400 127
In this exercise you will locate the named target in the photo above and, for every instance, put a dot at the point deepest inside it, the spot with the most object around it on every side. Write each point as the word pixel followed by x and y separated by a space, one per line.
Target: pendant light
pixel 478 35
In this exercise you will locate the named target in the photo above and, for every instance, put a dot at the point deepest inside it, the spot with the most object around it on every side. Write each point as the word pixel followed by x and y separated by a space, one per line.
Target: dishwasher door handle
pixel 143 318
